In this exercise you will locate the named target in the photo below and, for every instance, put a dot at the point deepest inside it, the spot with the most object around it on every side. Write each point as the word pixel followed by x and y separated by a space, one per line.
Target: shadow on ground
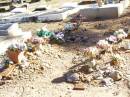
pixel 84 38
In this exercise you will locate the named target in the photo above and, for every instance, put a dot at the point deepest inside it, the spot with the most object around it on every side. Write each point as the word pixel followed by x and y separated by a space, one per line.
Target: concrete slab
pixel 20 17
pixel 104 12
pixel 3 29
pixel 3 33
pixel 5 26
pixel 57 15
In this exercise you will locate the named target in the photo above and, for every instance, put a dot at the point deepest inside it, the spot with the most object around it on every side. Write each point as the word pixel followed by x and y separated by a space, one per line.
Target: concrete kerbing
pixel 90 11
pixel 57 16
pixel 106 11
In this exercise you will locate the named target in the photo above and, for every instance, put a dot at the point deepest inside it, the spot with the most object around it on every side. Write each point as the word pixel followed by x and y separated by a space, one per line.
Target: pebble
pixel 91 63
pixel 98 75
pixel 78 60
pixel 87 78
pixel 79 86
pixel 86 69
pixel 116 76
pixel 106 82
pixel 72 77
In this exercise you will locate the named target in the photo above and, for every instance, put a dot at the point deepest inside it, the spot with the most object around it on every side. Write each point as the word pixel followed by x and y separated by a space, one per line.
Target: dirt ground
pixel 45 79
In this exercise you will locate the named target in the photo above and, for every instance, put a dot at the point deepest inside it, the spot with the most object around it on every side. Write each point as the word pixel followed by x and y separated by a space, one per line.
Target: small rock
pixel 79 86
pixel 87 78
pixel 115 93
pixel 78 60
pixel 2 83
pixel 91 63
pixel 106 82
pixel 98 75
pixel 86 69
pixel 72 77
pixel 116 76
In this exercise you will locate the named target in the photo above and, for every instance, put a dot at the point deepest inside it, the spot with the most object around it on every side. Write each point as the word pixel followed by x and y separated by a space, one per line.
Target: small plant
pixel 116 59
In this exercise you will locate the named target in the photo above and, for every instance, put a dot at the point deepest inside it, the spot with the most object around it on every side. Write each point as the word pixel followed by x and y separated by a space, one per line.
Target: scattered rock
pixel 87 78
pixel 106 82
pixel 2 83
pixel 112 39
pixel 78 60
pixel 86 69
pixel 79 86
pixel 101 26
pixel 98 75
pixel 115 93
pixel 116 76
pixel 72 77
pixel 127 46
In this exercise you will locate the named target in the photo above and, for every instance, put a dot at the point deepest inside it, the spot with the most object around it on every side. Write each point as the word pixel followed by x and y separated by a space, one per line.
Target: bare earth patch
pixel 46 79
